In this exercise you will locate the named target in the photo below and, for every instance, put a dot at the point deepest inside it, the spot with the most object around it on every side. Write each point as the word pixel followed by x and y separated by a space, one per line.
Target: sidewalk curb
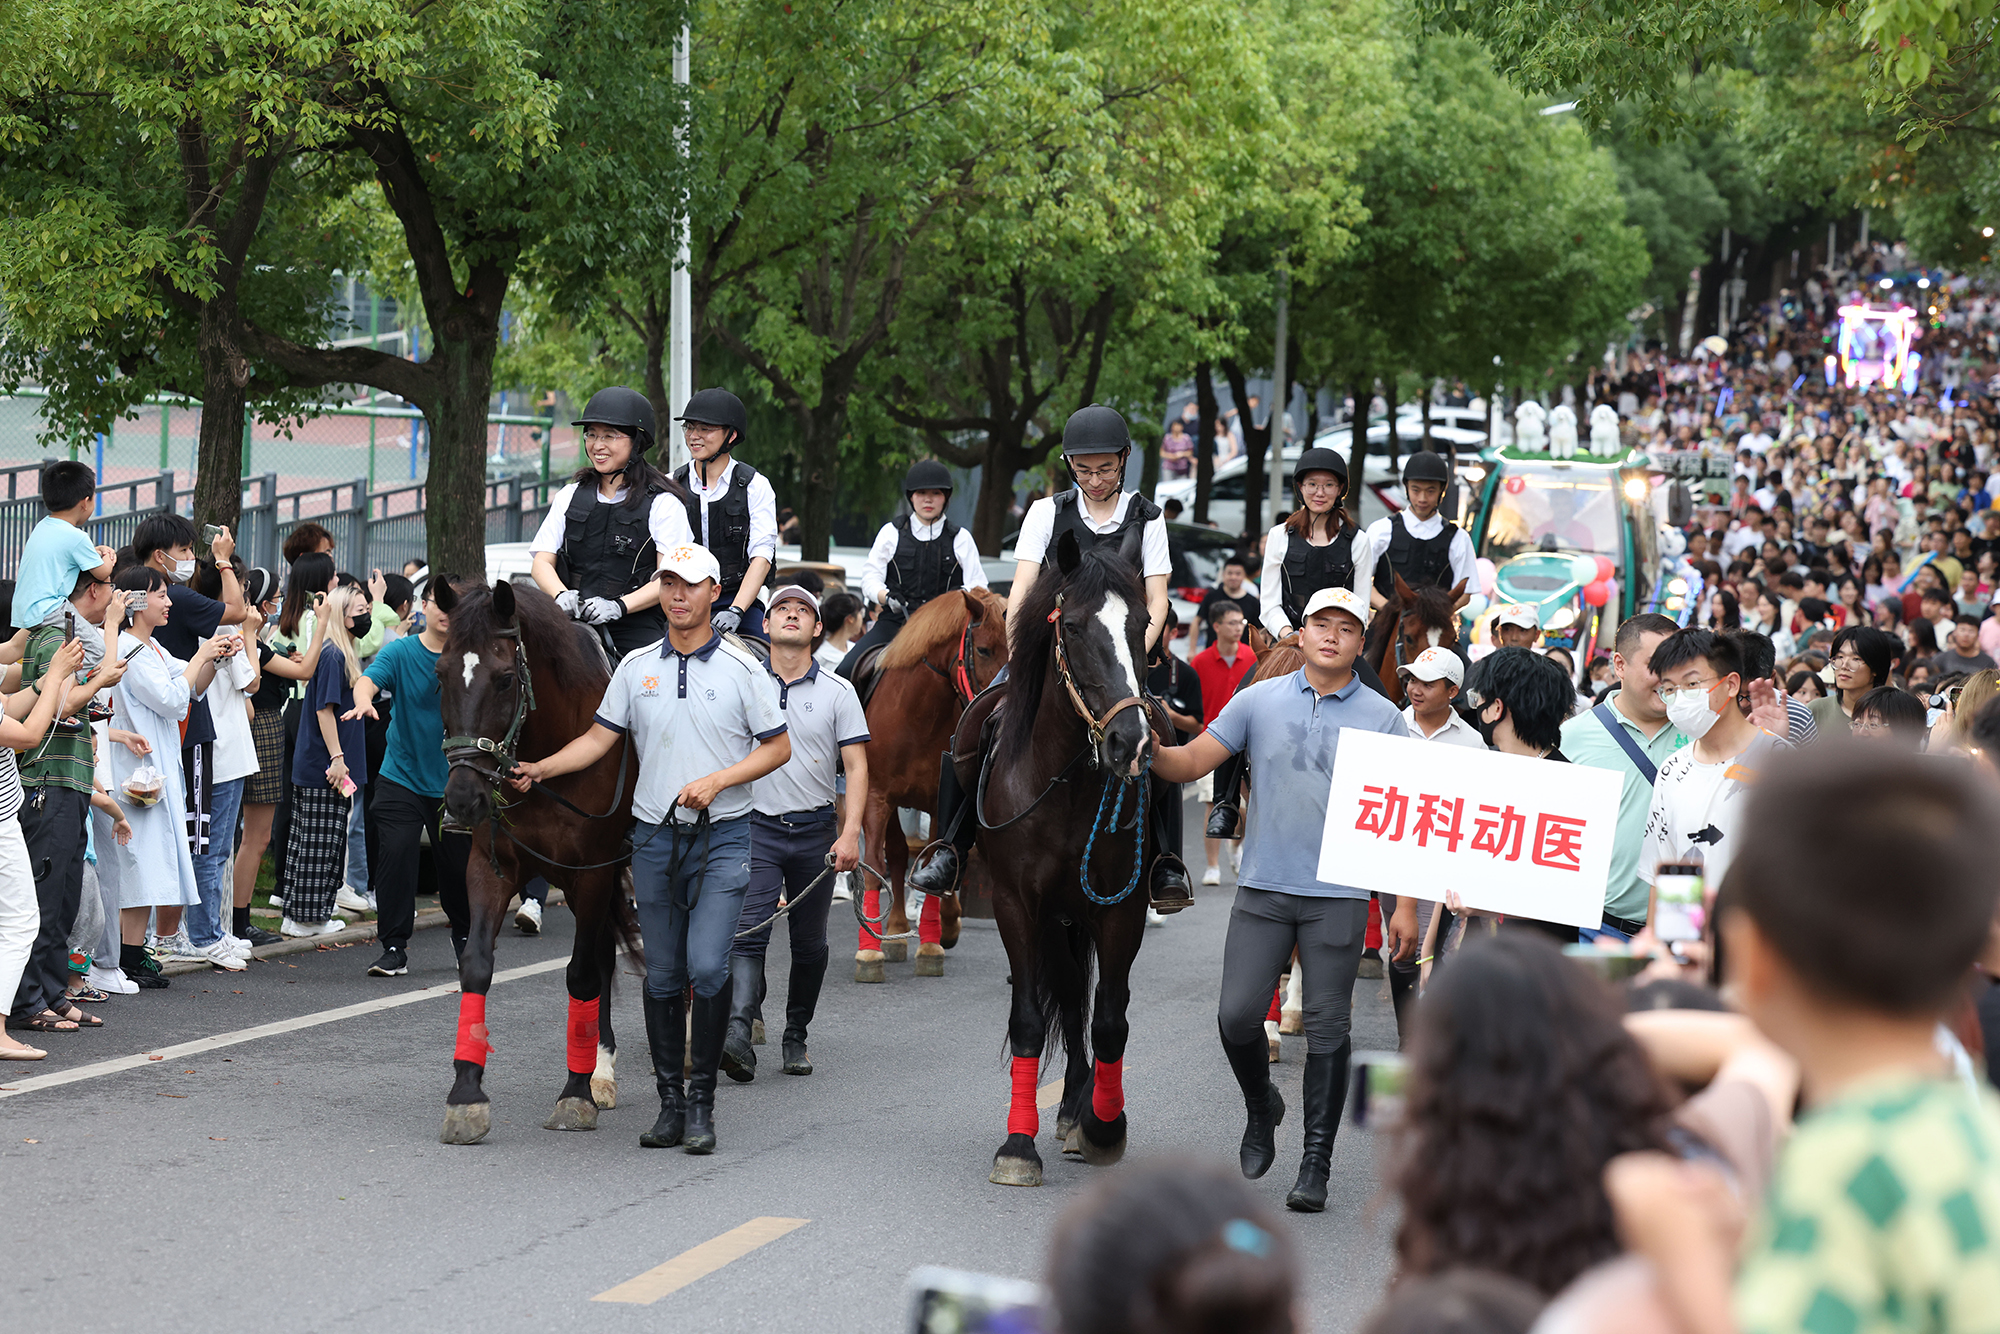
pixel 353 935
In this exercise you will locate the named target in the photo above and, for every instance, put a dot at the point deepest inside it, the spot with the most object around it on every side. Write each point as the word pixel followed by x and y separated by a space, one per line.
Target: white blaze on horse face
pixel 1113 616
pixel 1435 634
pixel 471 666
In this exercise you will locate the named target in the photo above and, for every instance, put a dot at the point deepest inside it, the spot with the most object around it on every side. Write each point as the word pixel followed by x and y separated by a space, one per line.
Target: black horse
pixel 519 680
pixel 1061 809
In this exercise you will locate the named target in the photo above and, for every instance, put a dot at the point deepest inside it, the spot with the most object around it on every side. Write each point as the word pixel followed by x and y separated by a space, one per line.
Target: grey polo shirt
pixel 691 714
pixel 1291 733
pixel 822 713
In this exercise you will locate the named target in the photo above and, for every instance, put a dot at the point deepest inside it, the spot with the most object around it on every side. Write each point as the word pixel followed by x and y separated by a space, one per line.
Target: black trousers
pixel 400 817
pixel 52 822
pixel 786 855
pixel 1264 926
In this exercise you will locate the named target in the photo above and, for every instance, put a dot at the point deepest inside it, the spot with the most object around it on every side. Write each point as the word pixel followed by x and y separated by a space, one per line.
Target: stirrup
pixel 1164 906
pixel 1222 821
pixel 937 852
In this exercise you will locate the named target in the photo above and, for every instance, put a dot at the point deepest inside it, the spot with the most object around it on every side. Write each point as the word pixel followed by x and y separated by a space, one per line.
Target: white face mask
pixel 183 570
pixel 1690 713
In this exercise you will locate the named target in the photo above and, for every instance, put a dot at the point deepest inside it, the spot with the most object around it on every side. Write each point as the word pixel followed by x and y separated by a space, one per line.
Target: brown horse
pixel 1410 622
pixel 949 650
pixel 519 680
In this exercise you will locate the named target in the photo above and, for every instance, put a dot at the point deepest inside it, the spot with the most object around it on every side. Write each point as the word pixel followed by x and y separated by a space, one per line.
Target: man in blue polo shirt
pixel 1290 728
pixel 704 717
pixel 795 830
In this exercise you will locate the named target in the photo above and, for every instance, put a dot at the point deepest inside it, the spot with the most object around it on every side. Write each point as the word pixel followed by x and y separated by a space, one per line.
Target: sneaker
pixel 176 947
pixel 1236 857
pixel 529 918
pixel 393 963
pixel 223 957
pixel 1211 876
pixel 112 980
pixel 259 937
pixel 328 927
pixel 277 900
pixel 1153 918
pixel 351 901
pixel 237 945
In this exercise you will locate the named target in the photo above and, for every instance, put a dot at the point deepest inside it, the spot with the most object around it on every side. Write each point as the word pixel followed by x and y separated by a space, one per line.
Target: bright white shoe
pixel 288 927
pixel 1153 918
pixel 1236 857
pixel 238 946
pixel 351 901
pixel 1211 876
pixel 112 980
pixel 223 957
pixel 177 946
pixel 277 900
pixel 529 919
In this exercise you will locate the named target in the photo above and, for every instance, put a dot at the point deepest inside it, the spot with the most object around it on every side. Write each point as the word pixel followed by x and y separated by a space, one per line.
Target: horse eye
pixel 985 652
pixel 504 681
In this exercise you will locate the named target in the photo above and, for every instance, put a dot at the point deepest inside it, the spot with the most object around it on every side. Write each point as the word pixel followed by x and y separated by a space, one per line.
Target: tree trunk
pixel 656 378
pixel 455 486
pixel 1670 320
pixel 1149 453
pixel 1204 448
pixel 819 476
pixel 1708 298
pixel 1255 438
pixel 225 378
pixel 1357 437
pixel 995 510
pixel 1389 409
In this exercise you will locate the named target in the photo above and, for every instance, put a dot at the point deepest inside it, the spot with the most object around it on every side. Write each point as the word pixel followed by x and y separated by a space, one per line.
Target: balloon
pixel 1605 568
pixel 1476 606
pixel 1597 594
pixel 1489 575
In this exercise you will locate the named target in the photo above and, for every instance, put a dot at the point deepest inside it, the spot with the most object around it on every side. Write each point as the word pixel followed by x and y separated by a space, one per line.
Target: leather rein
pixel 1096 726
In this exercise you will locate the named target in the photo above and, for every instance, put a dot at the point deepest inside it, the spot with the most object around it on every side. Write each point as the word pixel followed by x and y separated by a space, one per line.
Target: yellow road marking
pixel 700 1261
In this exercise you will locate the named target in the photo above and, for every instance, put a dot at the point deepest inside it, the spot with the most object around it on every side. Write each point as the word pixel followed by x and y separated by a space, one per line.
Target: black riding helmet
pixel 718 407
pixel 1095 430
pixel 927 475
pixel 1321 459
pixel 626 409
pixel 1426 466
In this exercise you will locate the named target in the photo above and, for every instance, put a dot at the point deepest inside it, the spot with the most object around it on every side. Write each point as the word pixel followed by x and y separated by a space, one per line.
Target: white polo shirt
pixel 1039 525
pixel 1455 732
pixel 690 715
pixel 822 714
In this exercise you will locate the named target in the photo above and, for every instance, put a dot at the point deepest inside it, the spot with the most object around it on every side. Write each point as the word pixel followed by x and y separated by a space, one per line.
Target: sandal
pixel 87 996
pixel 48 1021
pixel 80 1019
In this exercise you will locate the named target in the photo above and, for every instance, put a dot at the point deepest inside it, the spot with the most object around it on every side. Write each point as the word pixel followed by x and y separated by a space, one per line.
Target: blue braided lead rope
pixel 1119 785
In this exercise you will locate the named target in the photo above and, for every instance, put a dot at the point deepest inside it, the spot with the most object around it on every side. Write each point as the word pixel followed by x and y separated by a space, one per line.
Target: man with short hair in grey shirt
pixel 1290 728
pixel 705 723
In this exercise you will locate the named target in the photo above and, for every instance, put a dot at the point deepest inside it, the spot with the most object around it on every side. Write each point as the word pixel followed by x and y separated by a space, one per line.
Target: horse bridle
pixel 960 674
pixel 1096 726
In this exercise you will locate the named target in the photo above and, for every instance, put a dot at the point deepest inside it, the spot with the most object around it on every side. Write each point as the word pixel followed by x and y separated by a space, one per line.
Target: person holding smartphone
pixel 329 763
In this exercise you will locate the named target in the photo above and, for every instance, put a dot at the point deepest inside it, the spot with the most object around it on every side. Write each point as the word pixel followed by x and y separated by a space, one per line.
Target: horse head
pixel 985 641
pixel 1427 618
pixel 482 695
pixel 1098 644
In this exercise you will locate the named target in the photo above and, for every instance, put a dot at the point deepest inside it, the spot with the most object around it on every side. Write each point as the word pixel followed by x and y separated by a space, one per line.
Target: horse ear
pixel 1132 544
pixel 1068 554
pixel 975 611
pixel 1459 597
pixel 1404 591
pixel 503 599
pixel 444 595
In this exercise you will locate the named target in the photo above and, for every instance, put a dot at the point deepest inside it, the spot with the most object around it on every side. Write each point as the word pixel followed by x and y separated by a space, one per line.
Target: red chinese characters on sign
pixel 1501 832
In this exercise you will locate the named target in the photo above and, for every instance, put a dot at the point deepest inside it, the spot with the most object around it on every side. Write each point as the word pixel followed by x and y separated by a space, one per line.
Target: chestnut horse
pixel 1410 622
pixel 519 681
pixel 949 650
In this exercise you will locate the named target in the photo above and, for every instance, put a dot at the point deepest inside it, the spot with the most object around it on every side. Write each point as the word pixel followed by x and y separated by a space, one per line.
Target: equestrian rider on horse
pixel 1096 445
pixel 731 508
pixel 1417 543
pixel 598 550
pixel 915 559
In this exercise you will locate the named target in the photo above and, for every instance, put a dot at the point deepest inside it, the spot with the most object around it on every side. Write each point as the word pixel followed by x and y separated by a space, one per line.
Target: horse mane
pixel 1102 571
pixel 554 638
pixel 938 621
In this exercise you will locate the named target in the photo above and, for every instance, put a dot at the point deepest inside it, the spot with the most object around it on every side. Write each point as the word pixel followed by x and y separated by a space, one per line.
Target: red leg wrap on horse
pixel 1373 940
pixel 582 1036
pixel 1023 1117
pixel 1107 1090
pixel 930 923
pixel 871 905
pixel 472 1044
pixel 1270 1017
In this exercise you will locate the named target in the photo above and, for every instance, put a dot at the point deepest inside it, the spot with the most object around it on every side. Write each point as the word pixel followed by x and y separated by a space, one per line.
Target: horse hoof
pixel 1291 1022
pixel 466 1123
pixel 868 967
pixel 948 935
pixel 1017 1163
pixel 756 1032
pixel 1072 1145
pixel 896 951
pixel 1277 1050
pixel 930 960
pixel 603 1092
pixel 1101 1143
pixel 573 1114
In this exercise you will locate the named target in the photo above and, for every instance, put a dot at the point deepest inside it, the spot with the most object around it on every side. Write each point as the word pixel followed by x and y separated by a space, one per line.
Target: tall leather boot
pixel 1169 886
pixel 666 1037
pixel 955 829
pixel 746 993
pixel 801 999
pixel 1403 978
pixel 711 1024
pixel 1227 811
pixel 1326 1093
pixel 1251 1062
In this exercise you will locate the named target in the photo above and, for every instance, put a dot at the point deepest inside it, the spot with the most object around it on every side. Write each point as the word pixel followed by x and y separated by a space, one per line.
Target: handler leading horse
pixel 517 680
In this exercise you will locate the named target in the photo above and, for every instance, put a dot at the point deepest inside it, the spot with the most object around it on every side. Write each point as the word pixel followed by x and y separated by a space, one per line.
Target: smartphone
pixel 209 532
pixel 1378 1079
pixel 957 1301
pixel 1678 910
pixel 1611 965
pixel 69 626
pixel 135 603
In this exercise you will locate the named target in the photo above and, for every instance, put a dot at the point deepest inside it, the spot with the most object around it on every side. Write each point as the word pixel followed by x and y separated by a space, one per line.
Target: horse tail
pixel 1066 962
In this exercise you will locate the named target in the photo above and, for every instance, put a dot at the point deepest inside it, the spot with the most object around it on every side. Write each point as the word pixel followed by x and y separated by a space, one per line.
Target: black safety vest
pixel 1309 568
pixel 920 571
pixel 728 535
pixel 608 549
pixel 1420 560
pixel 1139 512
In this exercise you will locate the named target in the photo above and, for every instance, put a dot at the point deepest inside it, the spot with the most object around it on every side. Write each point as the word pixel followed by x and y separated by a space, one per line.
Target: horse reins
pixel 1096 726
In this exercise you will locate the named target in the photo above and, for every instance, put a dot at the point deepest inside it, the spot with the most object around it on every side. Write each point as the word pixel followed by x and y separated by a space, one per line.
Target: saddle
pixel 868 672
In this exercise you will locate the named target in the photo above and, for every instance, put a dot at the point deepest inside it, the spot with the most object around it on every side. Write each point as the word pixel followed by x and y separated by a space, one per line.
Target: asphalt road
pixel 294 1181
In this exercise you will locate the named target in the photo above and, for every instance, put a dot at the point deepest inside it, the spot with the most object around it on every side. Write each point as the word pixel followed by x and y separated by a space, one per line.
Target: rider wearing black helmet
pixel 599 548
pixel 1096 445
pixel 1417 543
pixel 914 559
pixel 731 507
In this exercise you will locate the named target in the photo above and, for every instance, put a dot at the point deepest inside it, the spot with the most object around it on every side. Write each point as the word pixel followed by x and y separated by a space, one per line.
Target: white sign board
pixel 1512 835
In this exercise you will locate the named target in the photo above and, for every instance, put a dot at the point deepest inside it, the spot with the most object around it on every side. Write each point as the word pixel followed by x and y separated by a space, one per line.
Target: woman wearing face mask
pixel 310 578
pixel 328 764
pixel 1862 659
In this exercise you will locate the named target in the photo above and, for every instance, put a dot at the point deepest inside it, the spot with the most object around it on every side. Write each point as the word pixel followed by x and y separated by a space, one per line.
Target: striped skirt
pixel 315 853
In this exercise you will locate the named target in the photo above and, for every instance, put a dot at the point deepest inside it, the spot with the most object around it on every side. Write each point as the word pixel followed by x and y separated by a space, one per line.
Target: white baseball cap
pixel 691 563
pixel 1518 613
pixel 1340 599
pixel 1435 664
pixel 796 593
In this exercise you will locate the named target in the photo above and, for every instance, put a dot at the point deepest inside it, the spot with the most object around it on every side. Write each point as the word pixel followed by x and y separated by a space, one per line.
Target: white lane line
pixel 282 1026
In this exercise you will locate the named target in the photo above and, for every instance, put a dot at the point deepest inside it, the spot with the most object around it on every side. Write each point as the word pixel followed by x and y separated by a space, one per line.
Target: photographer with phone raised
pixel 329 762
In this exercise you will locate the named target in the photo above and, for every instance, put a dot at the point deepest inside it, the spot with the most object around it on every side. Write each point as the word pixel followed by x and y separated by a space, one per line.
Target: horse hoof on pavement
pixel 948 934
pixel 466 1123
pixel 930 960
pixel 868 966
pixel 1072 1143
pixel 1291 1022
pixel 1017 1163
pixel 1101 1143
pixel 756 1032
pixel 896 951
pixel 573 1114
pixel 1277 1048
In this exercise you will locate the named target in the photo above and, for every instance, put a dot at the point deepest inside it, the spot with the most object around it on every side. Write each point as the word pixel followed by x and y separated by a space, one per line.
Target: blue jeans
pixel 207 919
pixel 787 855
pixel 357 847
pixel 685 944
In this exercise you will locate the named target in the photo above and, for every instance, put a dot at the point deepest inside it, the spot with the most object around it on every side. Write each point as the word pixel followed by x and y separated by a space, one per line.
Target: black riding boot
pixel 1170 888
pixel 952 832
pixel 1227 812
pixel 746 992
pixel 666 1036
pixel 801 999
pixel 711 1023
pixel 1251 1062
pixel 1402 991
pixel 1326 1091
